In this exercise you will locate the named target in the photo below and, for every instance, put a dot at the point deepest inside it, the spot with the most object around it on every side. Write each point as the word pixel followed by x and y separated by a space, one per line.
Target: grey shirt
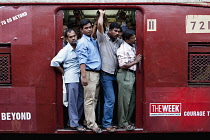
pixel 108 52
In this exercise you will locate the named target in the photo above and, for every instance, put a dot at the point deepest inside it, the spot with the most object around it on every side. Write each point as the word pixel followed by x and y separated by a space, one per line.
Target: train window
pixel 5 61
pixel 199 62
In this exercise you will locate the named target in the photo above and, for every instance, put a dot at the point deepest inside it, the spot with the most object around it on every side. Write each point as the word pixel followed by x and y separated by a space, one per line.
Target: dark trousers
pixel 75 103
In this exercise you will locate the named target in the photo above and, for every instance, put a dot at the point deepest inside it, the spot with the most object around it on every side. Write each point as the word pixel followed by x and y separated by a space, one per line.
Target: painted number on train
pixel 198 24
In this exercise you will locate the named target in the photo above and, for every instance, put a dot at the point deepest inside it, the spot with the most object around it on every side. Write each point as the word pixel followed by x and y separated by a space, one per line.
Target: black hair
pixel 127 34
pixel 84 22
pixel 68 31
pixel 114 25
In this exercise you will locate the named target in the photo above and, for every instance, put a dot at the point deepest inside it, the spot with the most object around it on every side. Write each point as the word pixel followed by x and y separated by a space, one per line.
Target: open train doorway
pixel 127 19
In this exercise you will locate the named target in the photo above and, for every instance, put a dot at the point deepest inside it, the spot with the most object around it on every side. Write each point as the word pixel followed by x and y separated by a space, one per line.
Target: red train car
pixel 173 82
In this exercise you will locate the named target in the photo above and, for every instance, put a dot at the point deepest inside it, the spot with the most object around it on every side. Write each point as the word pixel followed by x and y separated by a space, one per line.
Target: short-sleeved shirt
pixel 126 54
pixel 88 53
pixel 108 50
pixel 68 57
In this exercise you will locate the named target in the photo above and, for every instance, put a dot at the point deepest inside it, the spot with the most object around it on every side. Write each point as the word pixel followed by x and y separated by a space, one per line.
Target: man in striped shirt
pixel 108 45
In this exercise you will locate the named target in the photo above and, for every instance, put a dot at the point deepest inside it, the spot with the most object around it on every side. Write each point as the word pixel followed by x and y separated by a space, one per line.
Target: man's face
pixel 64 28
pixel 72 37
pixel 87 29
pixel 120 35
pixel 113 33
pixel 131 40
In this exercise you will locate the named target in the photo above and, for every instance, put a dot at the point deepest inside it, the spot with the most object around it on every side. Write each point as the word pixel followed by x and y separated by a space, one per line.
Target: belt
pixel 107 73
pixel 131 70
pixel 98 71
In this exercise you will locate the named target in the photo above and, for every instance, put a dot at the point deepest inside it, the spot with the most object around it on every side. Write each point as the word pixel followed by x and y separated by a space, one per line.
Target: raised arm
pixel 101 21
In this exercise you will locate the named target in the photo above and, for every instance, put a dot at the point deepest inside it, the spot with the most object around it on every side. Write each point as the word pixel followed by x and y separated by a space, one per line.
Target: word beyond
pixel 15 116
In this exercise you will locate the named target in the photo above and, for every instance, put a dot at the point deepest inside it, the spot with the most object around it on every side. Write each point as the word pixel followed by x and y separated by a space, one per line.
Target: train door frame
pixel 139 73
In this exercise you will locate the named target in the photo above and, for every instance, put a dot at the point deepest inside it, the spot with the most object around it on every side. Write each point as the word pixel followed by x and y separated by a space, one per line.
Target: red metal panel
pixel 42 75
pixel 166 71
pixel 166 50
pixel 195 109
pixel 139 71
pixel 18 109
pixel 32 39
pixel 59 94
pixel 16 24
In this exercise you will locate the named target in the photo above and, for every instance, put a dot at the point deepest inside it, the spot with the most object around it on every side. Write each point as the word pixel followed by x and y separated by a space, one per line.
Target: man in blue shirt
pixel 90 65
pixel 71 72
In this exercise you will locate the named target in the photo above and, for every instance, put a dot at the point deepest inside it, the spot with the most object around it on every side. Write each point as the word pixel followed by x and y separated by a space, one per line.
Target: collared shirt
pixel 126 54
pixel 88 53
pixel 108 50
pixel 68 57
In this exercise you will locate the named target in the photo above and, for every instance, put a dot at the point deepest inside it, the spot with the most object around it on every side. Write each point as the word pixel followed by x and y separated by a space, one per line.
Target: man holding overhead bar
pixel 108 45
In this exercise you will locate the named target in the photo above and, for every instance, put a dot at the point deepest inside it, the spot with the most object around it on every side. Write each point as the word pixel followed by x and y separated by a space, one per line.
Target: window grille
pixel 200 68
pixel 5 64
pixel 5 68
pixel 199 62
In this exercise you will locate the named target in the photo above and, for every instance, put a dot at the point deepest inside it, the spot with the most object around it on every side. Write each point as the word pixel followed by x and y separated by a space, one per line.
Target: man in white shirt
pixel 70 69
pixel 126 78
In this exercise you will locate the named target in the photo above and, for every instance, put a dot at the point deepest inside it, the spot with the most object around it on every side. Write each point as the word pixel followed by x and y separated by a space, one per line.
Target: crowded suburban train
pixel 104 67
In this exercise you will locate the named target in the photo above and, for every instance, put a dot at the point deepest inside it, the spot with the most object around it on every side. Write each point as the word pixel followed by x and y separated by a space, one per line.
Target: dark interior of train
pixel 125 17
